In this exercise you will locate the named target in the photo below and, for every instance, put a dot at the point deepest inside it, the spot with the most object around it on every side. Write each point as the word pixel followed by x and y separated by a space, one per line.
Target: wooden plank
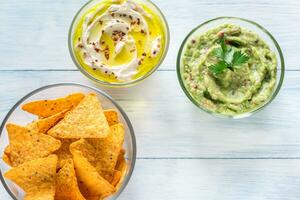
pixel 212 179
pixel 167 125
pixel 215 179
pixel 34 33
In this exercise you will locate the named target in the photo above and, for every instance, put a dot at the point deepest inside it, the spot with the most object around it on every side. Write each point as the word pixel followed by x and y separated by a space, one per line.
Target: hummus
pixel 235 91
pixel 119 41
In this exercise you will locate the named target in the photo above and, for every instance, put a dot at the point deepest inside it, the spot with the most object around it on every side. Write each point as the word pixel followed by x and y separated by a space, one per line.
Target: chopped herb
pixel 228 57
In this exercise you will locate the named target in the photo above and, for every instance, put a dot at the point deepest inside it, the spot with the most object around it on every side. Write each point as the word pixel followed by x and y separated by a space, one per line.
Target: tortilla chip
pixel 44 124
pixel 111 116
pixel 86 120
pixel 63 152
pixel 47 108
pixel 6 159
pixel 66 183
pixel 121 167
pixel 116 178
pixel 102 153
pixel 26 145
pixel 85 192
pixel 89 177
pixel 36 178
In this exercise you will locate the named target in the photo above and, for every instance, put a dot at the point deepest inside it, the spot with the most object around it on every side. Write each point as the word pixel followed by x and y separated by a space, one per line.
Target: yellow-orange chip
pixel 6 159
pixel 66 183
pixel 44 124
pixel 121 170
pixel 36 178
pixel 111 116
pixel 63 152
pixel 102 153
pixel 86 120
pixel 26 145
pixel 88 176
pixel 47 108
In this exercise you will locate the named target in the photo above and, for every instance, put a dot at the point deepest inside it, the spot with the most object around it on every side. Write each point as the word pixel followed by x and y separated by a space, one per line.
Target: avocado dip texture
pixel 233 91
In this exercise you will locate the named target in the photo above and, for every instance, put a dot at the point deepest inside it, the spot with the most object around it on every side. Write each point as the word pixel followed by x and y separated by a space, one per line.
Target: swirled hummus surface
pixel 232 91
pixel 119 41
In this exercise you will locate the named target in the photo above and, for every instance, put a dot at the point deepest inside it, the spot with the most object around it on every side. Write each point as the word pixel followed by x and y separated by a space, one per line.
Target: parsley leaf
pixel 228 57
pixel 219 67
pixel 239 58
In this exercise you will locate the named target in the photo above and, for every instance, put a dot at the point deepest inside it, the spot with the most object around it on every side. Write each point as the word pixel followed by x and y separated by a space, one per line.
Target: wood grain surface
pixel 183 153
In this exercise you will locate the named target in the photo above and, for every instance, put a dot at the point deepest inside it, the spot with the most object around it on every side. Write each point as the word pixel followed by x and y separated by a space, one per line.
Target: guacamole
pixel 233 91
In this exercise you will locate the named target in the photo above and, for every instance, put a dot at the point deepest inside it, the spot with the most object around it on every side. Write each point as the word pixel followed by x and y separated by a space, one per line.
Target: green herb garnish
pixel 228 57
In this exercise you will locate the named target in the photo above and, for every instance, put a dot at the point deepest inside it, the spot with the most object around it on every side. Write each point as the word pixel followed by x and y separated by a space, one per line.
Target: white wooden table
pixel 183 153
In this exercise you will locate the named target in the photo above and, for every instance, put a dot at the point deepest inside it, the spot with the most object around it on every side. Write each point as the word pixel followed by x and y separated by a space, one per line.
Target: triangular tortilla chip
pixel 102 153
pixel 36 178
pixel 63 152
pixel 44 124
pixel 47 108
pixel 121 167
pixel 6 159
pixel 120 170
pixel 66 183
pixel 86 120
pixel 111 116
pixel 116 178
pixel 86 193
pixel 26 145
pixel 89 177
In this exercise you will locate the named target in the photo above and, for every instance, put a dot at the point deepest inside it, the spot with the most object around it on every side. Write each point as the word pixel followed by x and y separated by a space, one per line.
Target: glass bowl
pixel 76 21
pixel 250 25
pixel 18 116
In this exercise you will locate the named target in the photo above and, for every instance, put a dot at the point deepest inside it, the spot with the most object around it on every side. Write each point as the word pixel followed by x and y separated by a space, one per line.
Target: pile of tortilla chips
pixel 73 151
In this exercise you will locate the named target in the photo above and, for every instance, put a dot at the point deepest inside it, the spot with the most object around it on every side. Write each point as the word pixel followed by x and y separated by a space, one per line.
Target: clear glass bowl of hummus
pixel 118 42
pixel 18 116
pixel 232 92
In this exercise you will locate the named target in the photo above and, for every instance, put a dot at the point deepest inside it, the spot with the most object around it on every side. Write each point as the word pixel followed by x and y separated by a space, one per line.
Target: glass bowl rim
pixel 241 115
pixel 124 115
pixel 121 84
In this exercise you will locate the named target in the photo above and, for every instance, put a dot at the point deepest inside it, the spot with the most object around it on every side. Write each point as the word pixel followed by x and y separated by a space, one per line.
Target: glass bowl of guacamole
pixel 230 67
pixel 118 42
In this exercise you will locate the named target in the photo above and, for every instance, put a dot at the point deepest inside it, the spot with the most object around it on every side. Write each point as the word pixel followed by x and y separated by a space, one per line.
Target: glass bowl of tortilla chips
pixel 66 141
